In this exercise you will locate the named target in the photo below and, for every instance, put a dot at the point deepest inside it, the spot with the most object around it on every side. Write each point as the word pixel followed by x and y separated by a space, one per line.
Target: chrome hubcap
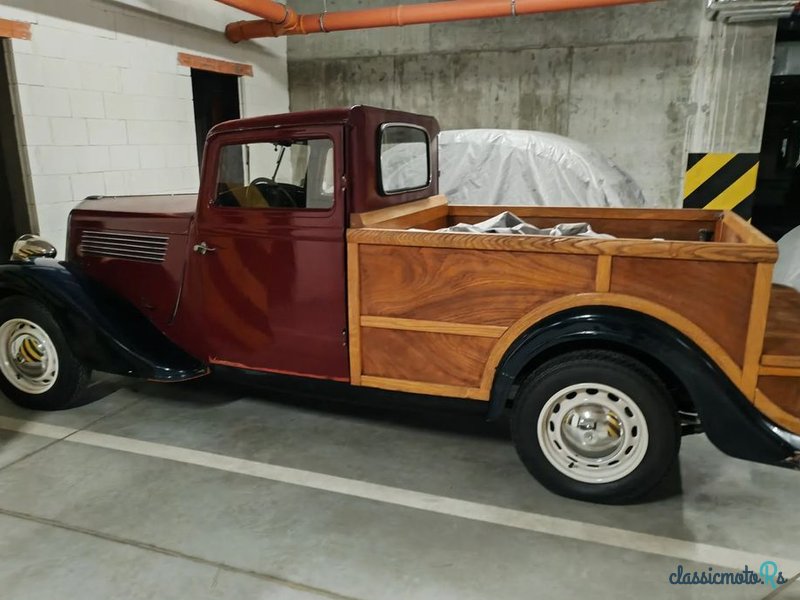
pixel 593 433
pixel 28 359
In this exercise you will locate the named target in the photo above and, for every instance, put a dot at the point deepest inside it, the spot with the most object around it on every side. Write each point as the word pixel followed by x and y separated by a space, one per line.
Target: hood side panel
pixel 136 246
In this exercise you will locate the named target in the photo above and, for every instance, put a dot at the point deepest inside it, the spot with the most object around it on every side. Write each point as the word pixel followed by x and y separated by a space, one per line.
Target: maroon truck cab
pixel 257 287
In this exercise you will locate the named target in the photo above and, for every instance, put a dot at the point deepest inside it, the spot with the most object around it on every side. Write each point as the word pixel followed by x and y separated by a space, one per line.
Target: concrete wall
pixel 643 84
pixel 104 107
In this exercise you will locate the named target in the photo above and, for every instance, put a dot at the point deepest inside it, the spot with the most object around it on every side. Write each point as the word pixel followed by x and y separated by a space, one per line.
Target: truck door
pixel 270 251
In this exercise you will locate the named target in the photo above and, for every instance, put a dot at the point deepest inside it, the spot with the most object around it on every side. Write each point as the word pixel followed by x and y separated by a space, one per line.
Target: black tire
pixel 72 377
pixel 615 370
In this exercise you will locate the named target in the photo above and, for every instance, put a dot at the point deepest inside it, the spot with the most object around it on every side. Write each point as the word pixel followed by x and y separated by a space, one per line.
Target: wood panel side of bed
pixel 714 296
pixel 439 315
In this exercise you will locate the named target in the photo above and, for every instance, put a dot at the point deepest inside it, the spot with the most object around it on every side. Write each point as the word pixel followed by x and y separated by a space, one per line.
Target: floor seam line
pixel 113 413
pixel 778 591
pixel 50 444
pixel 176 554
pixel 55 441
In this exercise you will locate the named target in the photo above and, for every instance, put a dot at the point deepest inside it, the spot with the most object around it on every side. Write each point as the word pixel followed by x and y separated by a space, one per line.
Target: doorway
pixel 14 218
pixel 216 100
pixel 777 205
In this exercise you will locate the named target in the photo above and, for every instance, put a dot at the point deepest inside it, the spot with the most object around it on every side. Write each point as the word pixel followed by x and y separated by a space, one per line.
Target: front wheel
pixel 38 369
pixel 597 426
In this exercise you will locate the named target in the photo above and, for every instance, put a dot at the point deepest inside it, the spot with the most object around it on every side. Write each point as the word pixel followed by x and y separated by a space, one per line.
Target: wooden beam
pixel 679 250
pixel 488 331
pixel 422 387
pixel 215 65
pixel 603 275
pixel 354 312
pixel 759 309
pixel 402 216
pixel 15 29
pixel 779 371
pixel 775 360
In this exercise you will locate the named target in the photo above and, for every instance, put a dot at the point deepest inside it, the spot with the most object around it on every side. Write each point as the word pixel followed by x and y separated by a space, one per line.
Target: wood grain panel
pixel 675 250
pixel 584 213
pixel 438 358
pixel 466 286
pixel 783 392
pixel 405 216
pixel 782 339
pixel 727 234
pixel 215 65
pixel 746 232
pixel 622 223
pixel 716 297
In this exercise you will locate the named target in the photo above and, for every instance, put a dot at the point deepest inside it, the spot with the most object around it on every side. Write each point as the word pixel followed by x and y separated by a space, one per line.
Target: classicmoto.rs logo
pixel 768 574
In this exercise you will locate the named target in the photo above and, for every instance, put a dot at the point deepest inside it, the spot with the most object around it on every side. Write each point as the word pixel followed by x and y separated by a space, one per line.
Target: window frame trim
pixel 282 209
pixel 381 189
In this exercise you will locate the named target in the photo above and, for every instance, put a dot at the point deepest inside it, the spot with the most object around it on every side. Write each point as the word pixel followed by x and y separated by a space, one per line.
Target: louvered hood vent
pixel 128 246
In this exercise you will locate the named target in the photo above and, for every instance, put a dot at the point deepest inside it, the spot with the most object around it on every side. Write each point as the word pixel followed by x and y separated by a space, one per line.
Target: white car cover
pixel 787 269
pixel 504 166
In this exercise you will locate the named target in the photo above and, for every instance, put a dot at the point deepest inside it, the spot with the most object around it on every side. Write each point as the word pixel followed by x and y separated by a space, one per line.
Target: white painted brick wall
pixel 106 109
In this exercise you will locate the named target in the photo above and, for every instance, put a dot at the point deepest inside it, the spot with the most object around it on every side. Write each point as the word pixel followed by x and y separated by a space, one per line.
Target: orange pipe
pixel 390 16
pixel 270 11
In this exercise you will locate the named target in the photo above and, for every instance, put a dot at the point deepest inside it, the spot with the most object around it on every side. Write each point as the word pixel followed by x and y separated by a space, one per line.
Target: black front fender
pixel 731 422
pixel 106 332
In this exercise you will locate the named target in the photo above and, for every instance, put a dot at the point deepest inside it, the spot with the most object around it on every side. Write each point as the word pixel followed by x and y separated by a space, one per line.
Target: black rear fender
pixel 728 418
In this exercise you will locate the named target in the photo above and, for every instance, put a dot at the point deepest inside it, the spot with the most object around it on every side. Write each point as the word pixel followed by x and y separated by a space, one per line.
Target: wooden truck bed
pixel 779 375
pixel 434 312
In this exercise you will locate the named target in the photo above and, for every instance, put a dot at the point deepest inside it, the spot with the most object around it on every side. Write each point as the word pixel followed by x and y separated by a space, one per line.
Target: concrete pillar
pixel 729 87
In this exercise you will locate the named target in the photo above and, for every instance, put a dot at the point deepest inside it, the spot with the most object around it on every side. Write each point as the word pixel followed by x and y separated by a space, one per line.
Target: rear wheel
pixel 38 369
pixel 597 426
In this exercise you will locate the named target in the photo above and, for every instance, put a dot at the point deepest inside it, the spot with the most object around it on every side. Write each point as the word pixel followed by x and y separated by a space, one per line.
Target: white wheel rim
pixel 592 432
pixel 28 357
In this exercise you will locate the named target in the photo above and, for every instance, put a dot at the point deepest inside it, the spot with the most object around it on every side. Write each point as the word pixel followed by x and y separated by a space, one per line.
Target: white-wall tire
pixel 38 368
pixel 597 426
pixel 592 432
pixel 28 357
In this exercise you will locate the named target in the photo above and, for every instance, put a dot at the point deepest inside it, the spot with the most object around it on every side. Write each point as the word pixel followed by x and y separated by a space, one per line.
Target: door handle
pixel 203 248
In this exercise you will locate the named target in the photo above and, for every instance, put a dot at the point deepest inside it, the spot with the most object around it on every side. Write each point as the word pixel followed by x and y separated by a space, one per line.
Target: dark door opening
pixel 14 219
pixel 777 204
pixel 216 99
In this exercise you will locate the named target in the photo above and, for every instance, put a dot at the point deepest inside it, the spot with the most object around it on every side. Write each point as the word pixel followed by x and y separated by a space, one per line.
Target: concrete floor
pixel 211 491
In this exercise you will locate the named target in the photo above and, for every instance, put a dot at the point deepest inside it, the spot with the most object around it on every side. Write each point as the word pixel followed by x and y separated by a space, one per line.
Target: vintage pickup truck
pixel 306 254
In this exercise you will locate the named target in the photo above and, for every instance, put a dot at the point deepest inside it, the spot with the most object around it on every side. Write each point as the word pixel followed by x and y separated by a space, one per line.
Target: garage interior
pixel 273 485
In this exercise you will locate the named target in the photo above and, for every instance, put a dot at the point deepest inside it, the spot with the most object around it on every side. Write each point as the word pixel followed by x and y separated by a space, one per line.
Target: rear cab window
pixel 404 158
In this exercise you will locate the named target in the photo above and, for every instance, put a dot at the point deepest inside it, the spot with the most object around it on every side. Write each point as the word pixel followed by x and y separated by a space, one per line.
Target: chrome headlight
pixel 31 246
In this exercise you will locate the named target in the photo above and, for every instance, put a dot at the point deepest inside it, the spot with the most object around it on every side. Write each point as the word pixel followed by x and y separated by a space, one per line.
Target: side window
pixel 296 174
pixel 405 159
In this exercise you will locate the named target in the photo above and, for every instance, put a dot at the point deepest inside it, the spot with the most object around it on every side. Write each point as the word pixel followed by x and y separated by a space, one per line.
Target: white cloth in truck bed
pixel 510 224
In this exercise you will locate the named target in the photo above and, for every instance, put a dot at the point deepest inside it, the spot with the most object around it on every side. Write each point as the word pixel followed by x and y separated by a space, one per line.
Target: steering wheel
pixel 273 188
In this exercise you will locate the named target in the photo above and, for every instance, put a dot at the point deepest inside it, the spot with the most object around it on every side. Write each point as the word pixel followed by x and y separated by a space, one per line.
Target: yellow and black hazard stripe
pixel 721 182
